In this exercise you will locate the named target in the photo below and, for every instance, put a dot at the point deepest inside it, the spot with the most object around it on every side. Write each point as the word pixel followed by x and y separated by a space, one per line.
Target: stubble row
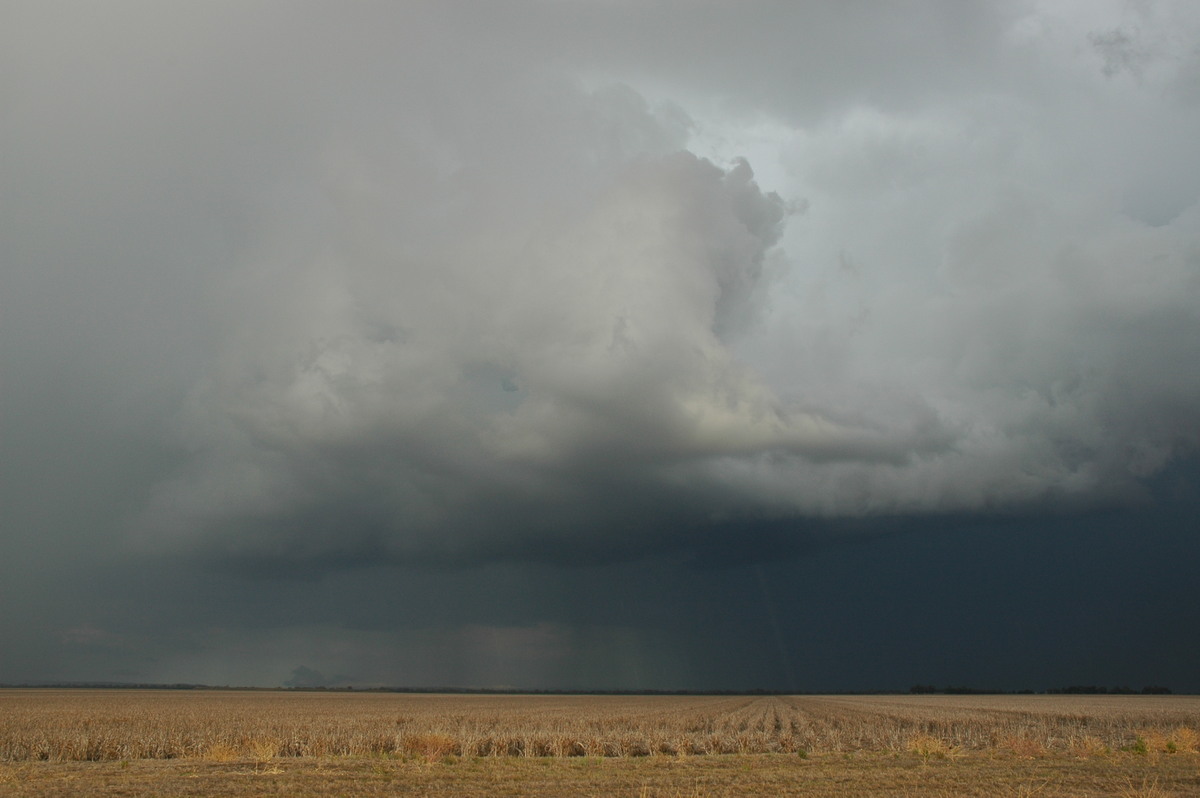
pixel 84 725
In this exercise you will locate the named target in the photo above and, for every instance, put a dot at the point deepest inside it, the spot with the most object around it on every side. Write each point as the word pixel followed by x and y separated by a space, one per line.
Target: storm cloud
pixel 440 293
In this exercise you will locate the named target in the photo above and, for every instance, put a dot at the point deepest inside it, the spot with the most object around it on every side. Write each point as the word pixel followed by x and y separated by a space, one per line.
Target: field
pixel 96 742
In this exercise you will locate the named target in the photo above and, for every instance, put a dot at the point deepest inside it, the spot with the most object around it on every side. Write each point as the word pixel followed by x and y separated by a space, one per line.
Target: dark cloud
pixel 414 329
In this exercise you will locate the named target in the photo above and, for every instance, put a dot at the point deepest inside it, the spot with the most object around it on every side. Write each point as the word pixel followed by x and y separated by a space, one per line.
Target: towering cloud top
pixel 440 282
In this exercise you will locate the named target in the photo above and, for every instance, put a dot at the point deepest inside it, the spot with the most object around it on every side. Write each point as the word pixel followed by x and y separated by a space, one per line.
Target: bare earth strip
pixel 645 777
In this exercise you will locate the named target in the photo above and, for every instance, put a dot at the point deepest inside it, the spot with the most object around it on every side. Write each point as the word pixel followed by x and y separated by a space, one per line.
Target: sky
pixel 601 344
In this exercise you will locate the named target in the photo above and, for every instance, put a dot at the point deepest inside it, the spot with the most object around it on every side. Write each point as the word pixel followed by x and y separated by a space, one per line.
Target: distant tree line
pixel 928 689
pixel 1075 689
pixel 916 689
pixel 1092 689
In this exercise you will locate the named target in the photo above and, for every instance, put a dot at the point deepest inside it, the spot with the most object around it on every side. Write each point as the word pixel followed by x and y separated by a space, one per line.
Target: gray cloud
pixel 475 302
pixel 608 326
pixel 295 290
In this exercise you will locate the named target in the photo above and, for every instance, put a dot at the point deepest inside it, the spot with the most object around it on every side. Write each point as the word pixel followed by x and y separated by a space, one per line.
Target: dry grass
pixel 220 752
pixel 1088 746
pixel 927 747
pixel 1147 789
pixel 1186 740
pixel 430 747
pixel 268 727
pixel 1025 745
pixel 890 775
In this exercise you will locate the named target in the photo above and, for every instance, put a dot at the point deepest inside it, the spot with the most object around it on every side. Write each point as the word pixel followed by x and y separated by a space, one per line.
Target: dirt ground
pixel 831 775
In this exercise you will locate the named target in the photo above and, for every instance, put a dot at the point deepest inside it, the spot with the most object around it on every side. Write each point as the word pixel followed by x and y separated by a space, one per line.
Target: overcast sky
pixel 601 343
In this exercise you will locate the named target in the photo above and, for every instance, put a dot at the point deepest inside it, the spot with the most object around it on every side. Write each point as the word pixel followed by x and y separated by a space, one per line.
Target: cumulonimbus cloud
pixel 525 313
pixel 503 387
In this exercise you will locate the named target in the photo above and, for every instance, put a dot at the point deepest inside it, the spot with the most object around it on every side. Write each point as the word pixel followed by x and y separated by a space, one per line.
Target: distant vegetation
pixel 1091 689
pixel 69 725
pixel 916 689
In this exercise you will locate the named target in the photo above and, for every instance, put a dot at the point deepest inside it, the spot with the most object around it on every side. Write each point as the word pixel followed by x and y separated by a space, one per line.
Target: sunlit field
pixel 124 742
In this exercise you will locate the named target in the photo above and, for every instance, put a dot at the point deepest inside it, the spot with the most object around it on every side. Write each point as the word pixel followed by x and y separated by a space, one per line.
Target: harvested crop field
pixel 59 742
